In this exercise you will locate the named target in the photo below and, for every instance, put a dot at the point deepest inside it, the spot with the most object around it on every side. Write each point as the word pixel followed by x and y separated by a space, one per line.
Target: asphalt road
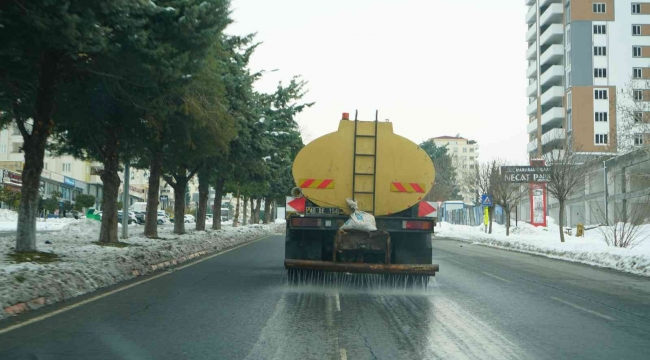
pixel 484 304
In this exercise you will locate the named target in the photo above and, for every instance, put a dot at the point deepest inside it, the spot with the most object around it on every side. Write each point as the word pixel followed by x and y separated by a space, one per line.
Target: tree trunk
pixel 235 220
pixel 216 213
pixel 561 221
pixel 34 148
pixel 252 200
pixel 245 210
pixel 204 194
pixel 111 181
pixel 151 217
pixel 258 205
pixel 267 210
pixel 179 204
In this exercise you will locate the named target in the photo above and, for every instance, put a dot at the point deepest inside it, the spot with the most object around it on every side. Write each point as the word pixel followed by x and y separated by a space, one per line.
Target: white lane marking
pixel 583 309
pixel 338 302
pixel 84 302
pixel 344 354
pixel 496 277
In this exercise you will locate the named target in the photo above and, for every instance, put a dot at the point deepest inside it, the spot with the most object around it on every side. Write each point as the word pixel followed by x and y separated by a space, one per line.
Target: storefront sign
pixel 11 177
pixel 68 181
pixel 525 174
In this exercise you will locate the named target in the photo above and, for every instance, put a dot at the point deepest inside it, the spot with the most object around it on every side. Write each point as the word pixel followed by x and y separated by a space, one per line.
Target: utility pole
pixel 125 202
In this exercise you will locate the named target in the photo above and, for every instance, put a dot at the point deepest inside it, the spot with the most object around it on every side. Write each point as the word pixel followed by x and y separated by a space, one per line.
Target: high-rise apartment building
pixel 464 157
pixel 584 59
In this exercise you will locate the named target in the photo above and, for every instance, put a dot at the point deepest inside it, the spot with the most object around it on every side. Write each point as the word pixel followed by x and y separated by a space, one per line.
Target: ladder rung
pixel 364 174
pixel 364 154
pixel 367 136
pixel 364 192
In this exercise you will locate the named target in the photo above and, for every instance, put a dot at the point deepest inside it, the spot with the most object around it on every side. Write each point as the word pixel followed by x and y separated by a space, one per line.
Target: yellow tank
pixel 386 174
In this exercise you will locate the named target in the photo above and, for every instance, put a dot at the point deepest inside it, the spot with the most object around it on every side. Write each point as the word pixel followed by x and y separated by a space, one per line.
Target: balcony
pixel 553 55
pixel 532 127
pixel 553 117
pixel 531 15
pixel 532 146
pixel 531 72
pixel 553 35
pixel 531 34
pixel 552 136
pixel 531 53
pixel 531 90
pixel 552 76
pixel 543 3
pixel 553 96
pixel 531 109
pixel 552 15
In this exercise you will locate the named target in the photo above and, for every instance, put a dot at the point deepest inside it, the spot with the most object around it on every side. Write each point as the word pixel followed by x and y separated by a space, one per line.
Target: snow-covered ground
pixel 9 218
pixel 84 266
pixel 590 249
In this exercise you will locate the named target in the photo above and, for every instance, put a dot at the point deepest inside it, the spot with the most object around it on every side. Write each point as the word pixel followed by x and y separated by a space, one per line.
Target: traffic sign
pixel 486 200
pixel 164 197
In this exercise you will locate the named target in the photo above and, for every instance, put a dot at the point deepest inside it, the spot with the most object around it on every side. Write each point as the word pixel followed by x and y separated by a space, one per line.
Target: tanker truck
pixel 387 176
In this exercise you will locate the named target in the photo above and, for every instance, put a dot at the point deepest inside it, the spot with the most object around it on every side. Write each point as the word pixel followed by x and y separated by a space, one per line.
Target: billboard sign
pixel 525 174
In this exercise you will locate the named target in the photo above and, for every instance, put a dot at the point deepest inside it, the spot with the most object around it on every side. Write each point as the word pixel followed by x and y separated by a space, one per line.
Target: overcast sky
pixel 433 67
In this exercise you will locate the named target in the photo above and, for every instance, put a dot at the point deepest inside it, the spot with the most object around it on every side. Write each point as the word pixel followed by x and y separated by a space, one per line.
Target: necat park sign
pixel 525 174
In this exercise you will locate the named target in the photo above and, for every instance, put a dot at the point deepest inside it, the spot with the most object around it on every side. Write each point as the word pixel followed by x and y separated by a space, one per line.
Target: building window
pixel 638 117
pixel 464 149
pixel 638 139
pixel 636 51
pixel 636 29
pixel 569 120
pixel 45 166
pixel 638 95
pixel 600 94
pixel 471 149
pixel 599 7
pixel 601 139
pixel 599 29
pixel 636 8
pixel 600 51
pixel 637 73
pixel 600 116
pixel 600 73
pixel 67 167
pixel 3 148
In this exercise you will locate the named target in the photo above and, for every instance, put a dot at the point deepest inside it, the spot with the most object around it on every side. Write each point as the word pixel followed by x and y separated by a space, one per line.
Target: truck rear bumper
pixel 402 269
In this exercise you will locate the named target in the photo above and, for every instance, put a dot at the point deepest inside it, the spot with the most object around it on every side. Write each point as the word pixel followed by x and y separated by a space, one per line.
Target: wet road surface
pixel 484 304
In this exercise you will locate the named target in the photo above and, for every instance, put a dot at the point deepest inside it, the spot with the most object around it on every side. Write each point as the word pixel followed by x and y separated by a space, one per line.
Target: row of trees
pixel 156 84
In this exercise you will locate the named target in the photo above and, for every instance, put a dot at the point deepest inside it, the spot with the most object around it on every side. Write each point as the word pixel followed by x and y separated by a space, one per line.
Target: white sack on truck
pixel 359 220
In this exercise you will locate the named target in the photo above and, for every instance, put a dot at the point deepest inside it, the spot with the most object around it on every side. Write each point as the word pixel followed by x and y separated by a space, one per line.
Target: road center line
pixel 153 277
pixel 337 302
pixel 344 354
pixel 497 277
pixel 583 309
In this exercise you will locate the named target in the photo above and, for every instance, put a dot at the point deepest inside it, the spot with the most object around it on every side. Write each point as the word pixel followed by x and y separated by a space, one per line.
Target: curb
pixel 34 304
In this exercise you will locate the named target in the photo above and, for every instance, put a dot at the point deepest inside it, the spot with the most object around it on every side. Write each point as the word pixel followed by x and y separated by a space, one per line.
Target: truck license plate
pixel 313 210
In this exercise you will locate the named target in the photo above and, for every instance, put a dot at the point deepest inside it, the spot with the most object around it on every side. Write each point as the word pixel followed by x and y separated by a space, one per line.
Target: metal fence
pixel 473 216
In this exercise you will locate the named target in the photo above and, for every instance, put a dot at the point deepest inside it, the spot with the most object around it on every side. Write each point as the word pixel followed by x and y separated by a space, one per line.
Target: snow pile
pixel 590 249
pixel 8 215
pixel 84 266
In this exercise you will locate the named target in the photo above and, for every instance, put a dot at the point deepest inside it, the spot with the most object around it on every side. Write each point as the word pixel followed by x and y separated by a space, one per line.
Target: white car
pixel 189 218
pixel 162 218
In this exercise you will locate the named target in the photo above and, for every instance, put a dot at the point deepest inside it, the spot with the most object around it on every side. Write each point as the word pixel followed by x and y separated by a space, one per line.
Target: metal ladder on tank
pixel 374 166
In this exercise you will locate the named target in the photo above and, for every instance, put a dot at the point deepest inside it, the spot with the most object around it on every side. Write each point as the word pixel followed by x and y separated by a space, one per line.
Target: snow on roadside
pixel 526 238
pixel 84 266
pixel 9 218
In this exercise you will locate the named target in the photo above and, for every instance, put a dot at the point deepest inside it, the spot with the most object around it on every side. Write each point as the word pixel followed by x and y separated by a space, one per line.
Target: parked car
pixel 140 216
pixel 162 218
pixel 189 218
pixel 73 214
pixel 119 218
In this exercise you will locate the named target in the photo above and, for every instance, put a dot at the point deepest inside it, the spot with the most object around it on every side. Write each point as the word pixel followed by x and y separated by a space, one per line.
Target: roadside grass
pixel 33 256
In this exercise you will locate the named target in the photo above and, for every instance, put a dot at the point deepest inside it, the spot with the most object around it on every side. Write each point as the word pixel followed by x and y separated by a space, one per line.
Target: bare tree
pixel 633 112
pixel 627 225
pixel 566 176
pixel 506 194
pixel 480 181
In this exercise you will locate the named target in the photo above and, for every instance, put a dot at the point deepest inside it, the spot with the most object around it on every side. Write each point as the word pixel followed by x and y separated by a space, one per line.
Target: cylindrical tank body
pixel 364 160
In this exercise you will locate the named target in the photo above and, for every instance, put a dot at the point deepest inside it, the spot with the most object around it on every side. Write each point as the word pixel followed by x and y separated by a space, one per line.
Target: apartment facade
pixel 464 154
pixel 584 57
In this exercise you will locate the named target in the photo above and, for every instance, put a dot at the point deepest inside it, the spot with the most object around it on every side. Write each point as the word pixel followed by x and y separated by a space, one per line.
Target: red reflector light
pixel 417 225
pixel 305 222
